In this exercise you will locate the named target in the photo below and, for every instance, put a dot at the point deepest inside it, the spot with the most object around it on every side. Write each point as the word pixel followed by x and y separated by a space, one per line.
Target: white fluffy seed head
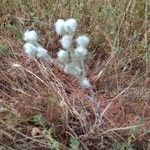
pixel 30 36
pixel 85 84
pixel 82 41
pixel 42 53
pixel 72 69
pixel 30 49
pixel 70 26
pixel 66 41
pixel 60 27
pixel 63 55
pixel 80 52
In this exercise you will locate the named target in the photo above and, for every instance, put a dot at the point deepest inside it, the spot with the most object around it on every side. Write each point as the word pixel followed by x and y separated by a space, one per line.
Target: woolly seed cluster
pixel 70 58
pixel 33 48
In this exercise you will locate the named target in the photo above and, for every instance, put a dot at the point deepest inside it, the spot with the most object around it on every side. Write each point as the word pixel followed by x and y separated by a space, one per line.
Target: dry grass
pixel 42 108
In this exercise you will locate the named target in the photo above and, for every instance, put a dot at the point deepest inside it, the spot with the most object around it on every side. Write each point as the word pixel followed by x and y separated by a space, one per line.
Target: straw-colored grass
pixel 43 108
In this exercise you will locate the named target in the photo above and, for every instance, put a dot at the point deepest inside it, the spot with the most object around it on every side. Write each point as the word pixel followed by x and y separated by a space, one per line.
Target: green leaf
pixel 74 143
pixel 39 120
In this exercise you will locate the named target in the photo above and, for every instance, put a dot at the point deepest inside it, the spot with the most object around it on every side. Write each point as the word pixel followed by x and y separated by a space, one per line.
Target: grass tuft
pixel 42 108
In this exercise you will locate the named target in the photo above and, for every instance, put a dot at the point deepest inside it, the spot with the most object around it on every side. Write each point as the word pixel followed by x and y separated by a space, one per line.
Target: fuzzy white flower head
pixel 72 69
pixel 63 55
pixel 42 53
pixel 85 84
pixel 70 25
pixel 60 27
pixel 82 41
pixel 30 36
pixel 30 49
pixel 80 52
pixel 66 41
